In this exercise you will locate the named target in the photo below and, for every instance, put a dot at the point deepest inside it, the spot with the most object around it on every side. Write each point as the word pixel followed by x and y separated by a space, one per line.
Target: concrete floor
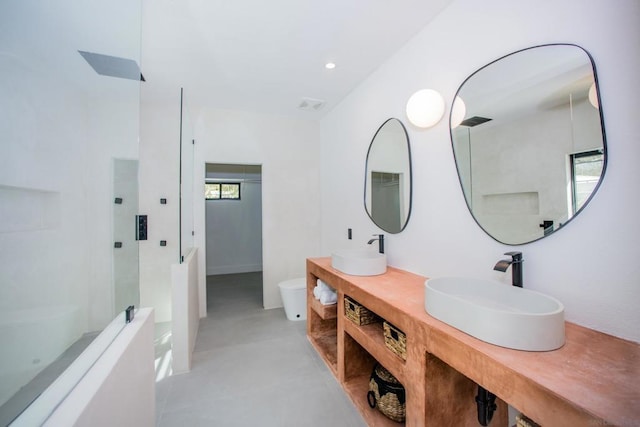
pixel 252 367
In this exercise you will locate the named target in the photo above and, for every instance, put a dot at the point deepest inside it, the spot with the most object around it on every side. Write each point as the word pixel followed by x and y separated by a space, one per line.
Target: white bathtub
pixel 30 340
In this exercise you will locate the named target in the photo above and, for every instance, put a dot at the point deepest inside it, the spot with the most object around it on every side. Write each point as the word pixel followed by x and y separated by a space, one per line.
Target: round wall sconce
pixel 458 112
pixel 593 96
pixel 425 108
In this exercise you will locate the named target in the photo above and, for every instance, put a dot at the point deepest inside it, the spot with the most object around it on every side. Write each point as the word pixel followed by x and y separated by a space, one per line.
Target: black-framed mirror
pixel 530 148
pixel 387 187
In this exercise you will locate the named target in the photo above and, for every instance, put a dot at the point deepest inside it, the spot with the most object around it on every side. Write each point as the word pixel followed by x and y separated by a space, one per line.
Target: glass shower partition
pixel 69 120
pixel 187 147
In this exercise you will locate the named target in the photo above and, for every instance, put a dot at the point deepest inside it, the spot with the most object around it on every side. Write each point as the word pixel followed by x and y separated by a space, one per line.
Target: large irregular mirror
pixel 387 188
pixel 529 142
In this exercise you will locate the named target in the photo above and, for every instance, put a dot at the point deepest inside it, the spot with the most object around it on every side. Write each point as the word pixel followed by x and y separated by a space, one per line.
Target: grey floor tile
pixel 252 367
pixel 162 393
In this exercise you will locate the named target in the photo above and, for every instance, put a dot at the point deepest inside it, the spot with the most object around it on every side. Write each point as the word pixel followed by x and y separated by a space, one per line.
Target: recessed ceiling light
pixel 329 65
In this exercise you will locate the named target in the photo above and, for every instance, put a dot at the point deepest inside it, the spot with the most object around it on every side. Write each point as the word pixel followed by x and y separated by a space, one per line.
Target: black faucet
pixel 516 269
pixel 380 240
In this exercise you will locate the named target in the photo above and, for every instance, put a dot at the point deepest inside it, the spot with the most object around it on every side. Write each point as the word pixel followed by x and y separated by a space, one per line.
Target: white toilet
pixel 294 298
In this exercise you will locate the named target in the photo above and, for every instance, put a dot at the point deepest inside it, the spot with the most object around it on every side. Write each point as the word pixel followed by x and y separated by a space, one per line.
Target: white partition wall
pixel 185 307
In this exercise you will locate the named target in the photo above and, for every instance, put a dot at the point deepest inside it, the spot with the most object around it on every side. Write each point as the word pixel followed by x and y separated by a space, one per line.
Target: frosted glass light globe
pixel 425 108
pixel 593 95
pixel 457 112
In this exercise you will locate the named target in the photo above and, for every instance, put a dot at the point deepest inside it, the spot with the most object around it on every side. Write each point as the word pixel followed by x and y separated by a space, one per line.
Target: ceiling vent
pixel 310 104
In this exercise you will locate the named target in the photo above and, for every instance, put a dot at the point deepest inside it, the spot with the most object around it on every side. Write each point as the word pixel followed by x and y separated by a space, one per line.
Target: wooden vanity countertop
pixel 594 378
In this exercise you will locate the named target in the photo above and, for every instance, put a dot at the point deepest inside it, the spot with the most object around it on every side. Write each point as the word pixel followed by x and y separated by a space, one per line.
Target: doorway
pixel 233 219
pixel 386 200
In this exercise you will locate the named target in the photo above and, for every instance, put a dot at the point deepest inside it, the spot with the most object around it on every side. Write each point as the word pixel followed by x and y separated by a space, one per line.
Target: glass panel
pixel 38 412
pixel 186 180
pixel 211 191
pixel 125 254
pixel 230 191
pixel 222 191
pixel 67 115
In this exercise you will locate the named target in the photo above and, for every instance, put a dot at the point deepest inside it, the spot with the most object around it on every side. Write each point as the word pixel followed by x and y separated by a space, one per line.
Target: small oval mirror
pixel 387 187
pixel 530 150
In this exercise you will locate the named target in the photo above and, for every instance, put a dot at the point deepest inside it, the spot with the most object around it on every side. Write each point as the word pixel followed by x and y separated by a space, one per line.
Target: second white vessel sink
pixel 359 262
pixel 496 313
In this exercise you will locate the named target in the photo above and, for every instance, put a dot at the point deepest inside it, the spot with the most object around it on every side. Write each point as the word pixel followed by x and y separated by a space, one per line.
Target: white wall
pixel 591 266
pixel 288 151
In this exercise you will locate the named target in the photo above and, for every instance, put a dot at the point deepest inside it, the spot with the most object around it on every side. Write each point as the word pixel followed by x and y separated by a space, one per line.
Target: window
pixel 586 169
pixel 222 191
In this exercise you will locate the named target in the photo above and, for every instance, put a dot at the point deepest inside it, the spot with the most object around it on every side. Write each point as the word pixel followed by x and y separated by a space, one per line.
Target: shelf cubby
pixel 371 338
pixel 322 327
pixel 359 364
pixel 325 312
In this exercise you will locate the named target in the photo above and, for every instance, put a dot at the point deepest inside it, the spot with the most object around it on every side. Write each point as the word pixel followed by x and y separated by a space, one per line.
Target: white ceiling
pixel 266 56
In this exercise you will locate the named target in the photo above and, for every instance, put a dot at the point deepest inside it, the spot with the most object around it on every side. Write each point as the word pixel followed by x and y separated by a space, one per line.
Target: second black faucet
pixel 516 267
pixel 380 240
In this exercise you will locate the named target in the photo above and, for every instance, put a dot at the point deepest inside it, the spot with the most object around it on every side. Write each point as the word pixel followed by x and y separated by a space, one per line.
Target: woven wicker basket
pixel 357 313
pixel 395 340
pixel 387 394
pixel 523 421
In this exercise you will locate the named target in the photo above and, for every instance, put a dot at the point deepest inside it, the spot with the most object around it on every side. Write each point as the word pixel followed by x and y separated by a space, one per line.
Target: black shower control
pixel 547 226
pixel 117 245
pixel 141 227
pixel 163 201
pixel 129 313
pixel 163 243
pixel 118 201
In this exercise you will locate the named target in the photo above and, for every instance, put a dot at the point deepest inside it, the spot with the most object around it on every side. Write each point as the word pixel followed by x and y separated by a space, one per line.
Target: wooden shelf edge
pixel 325 312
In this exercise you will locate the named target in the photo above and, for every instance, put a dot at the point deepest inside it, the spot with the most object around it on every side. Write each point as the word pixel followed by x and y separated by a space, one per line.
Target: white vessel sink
pixel 497 313
pixel 359 262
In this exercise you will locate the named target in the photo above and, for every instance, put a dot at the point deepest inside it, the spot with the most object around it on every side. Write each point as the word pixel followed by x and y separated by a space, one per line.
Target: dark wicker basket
pixel 523 421
pixel 387 394
pixel 358 313
pixel 395 340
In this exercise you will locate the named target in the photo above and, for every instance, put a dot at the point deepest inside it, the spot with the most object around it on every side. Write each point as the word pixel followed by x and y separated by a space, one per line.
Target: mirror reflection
pixel 387 190
pixel 529 144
